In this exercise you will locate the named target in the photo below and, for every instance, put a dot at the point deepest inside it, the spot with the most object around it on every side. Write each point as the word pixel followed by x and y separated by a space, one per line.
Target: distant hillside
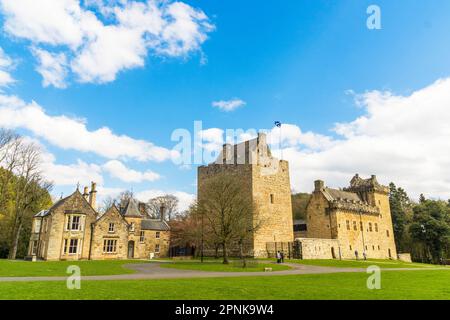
pixel 299 203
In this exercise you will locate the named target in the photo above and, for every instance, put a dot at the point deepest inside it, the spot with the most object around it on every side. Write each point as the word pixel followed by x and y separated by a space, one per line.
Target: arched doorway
pixel 130 249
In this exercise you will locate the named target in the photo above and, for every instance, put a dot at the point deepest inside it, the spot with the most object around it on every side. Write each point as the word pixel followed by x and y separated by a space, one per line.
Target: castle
pixel 72 229
pixel 340 223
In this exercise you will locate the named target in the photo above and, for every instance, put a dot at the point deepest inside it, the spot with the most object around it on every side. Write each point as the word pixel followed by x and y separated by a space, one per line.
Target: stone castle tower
pixel 266 180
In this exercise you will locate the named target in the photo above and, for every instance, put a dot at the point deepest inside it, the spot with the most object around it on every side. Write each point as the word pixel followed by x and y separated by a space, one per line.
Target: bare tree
pixel 228 212
pixel 29 188
pixel 170 204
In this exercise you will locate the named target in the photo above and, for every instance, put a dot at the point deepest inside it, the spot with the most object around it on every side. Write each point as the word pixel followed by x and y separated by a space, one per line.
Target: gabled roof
pixel 132 209
pixel 60 202
pixel 154 224
pixel 113 209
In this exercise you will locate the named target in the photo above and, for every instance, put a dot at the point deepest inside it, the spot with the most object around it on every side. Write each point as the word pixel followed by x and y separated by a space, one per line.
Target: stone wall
pixel 319 248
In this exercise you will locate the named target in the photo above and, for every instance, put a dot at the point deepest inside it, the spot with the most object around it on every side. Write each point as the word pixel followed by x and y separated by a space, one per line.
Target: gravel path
pixel 154 271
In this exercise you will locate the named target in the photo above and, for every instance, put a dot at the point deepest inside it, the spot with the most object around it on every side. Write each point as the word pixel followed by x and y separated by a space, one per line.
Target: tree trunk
pixel 216 255
pixel 225 254
pixel 15 242
pixel 241 253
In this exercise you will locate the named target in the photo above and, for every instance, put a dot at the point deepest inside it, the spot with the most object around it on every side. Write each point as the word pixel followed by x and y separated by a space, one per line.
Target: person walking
pixel 282 256
pixel 278 257
pixel 356 254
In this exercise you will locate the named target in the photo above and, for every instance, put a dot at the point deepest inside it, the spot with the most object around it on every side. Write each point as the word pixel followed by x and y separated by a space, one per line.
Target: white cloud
pixel 404 139
pixel 118 170
pixel 185 199
pixel 6 64
pixel 229 105
pixel 120 38
pixel 69 133
pixel 52 67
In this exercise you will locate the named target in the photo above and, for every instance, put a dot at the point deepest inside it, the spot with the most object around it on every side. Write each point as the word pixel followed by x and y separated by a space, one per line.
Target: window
pixel 37 226
pixel 73 223
pixel 142 237
pixel 373 248
pixel 65 246
pixel 157 248
pixel 378 247
pixel 34 247
pixel 132 227
pixel 111 228
pixel 271 198
pixel 73 246
pixel 109 246
pixel 387 233
pixel 354 226
pixel 370 226
pixel 348 224
pixel 350 247
pixel 376 227
pixel 157 235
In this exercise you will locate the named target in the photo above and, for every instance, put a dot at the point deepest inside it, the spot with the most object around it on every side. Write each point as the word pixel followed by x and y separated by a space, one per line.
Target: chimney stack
pixel 93 196
pixel 319 185
pixel 86 193
pixel 162 212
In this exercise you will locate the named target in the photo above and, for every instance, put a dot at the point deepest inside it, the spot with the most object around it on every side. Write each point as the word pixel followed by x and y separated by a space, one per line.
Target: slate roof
pixel 153 224
pixel 334 194
pixel 132 209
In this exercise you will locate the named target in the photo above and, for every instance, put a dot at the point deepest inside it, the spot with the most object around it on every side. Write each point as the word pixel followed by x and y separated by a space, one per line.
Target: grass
pixel 419 284
pixel 383 264
pixel 220 267
pixel 20 268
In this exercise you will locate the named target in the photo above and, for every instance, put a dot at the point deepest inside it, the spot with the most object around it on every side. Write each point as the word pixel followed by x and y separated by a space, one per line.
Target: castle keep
pixel 265 179
pixel 72 229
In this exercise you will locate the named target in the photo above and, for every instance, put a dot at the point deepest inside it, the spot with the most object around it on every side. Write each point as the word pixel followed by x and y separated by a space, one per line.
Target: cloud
pixel 404 139
pixel 229 105
pixel 6 64
pixel 185 199
pixel 68 133
pixel 102 38
pixel 118 170
pixel 52 68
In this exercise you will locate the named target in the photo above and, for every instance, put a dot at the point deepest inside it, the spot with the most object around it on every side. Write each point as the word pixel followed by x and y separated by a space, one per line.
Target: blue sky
pixel 293 61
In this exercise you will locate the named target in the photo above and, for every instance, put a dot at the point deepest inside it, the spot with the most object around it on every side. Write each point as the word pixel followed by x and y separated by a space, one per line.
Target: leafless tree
pixel 170 203
pixel 228 213
pixel 29 187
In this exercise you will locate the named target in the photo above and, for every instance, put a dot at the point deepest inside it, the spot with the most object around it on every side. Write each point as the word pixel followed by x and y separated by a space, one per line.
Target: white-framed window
pixel 156 248
pixel 157 235
pixel 73 246
pixel 109 246
pixel 73 223
pixel 142 236
pixel 34 245
pixel 111 228
pixel 37 225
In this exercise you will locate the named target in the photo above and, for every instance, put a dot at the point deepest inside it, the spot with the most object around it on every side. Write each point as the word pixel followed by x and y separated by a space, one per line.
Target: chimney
pixel 86 193
pixel 93 196
pixel 162 212
pixel 319 185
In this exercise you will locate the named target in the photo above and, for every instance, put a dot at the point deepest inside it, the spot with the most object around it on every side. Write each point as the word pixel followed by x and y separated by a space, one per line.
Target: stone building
pixel 72 229
pixel 357 218
pixel 265 180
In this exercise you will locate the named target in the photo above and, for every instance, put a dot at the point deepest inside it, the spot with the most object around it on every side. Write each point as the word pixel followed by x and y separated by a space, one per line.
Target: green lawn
pixel 428 284
pixel 20 268
pixel 219 266
pixel 383 264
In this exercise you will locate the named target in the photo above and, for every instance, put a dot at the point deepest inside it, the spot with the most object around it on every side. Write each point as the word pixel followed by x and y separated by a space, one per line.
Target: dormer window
pixel 111 228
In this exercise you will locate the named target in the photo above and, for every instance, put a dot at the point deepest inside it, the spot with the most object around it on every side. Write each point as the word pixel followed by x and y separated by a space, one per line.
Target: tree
pixel 299 204
pixel 401 211
pixel 227 212
pixel 431 228
pixel 170 204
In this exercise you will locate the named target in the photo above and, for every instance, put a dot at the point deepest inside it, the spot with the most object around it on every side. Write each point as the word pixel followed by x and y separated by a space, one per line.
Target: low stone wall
pixel 406 257
pixel 312 248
